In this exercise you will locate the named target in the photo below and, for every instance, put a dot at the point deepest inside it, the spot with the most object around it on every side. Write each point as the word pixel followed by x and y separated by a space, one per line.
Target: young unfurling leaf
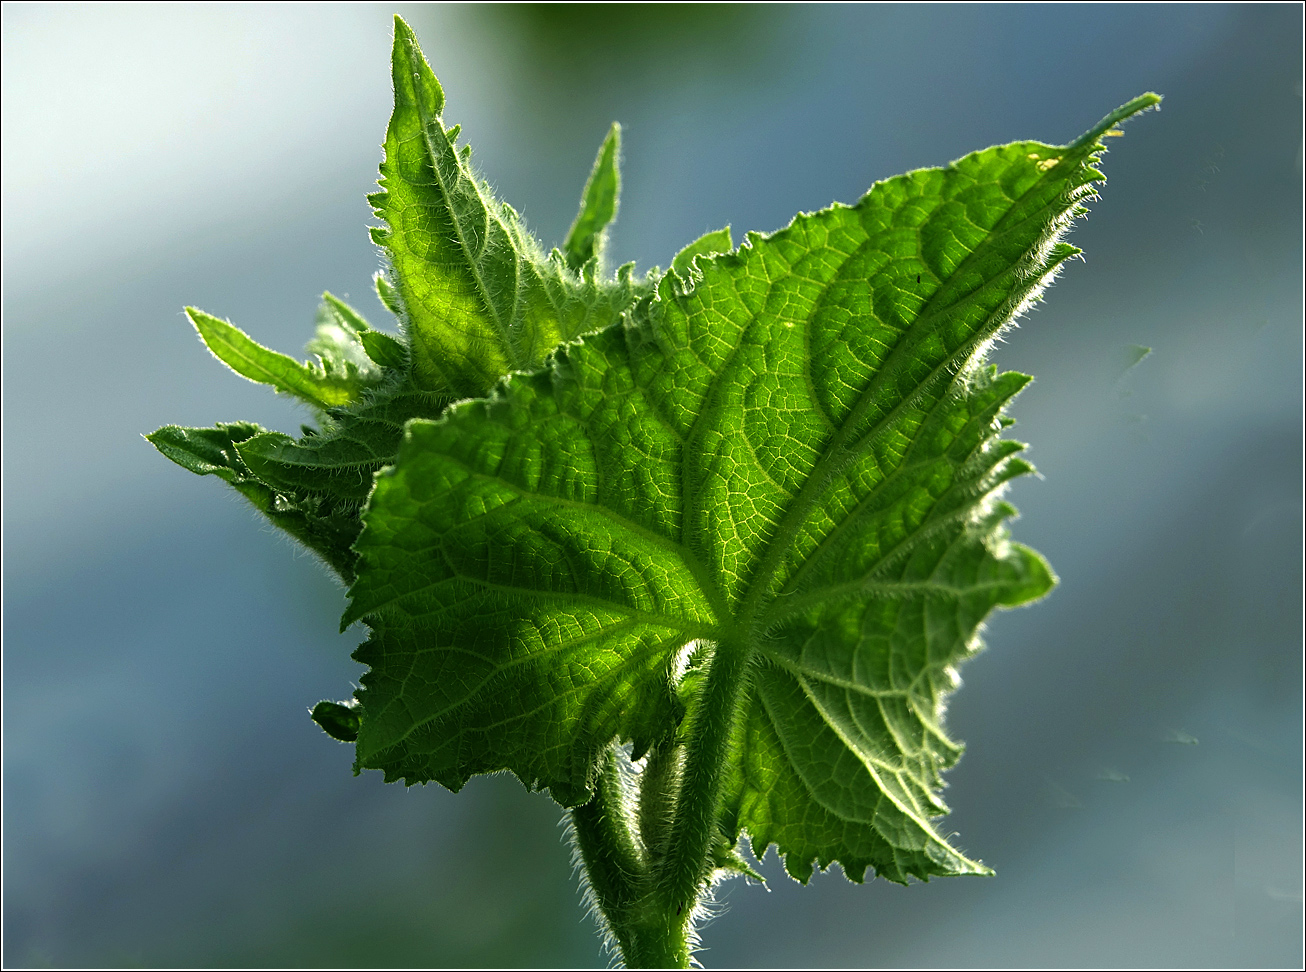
pixel 475 298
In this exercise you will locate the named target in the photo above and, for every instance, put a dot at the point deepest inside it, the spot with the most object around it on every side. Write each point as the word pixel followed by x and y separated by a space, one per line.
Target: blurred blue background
pixel 1134 771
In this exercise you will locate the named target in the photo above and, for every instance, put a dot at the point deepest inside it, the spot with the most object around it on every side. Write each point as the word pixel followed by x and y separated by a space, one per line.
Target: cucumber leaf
pixel 555 493
pixel 794 446
pixel 314 520
pixel 338 380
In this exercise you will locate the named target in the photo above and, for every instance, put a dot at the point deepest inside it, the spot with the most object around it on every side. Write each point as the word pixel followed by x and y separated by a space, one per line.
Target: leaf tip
pixel 1148 101
pixel 198 319
pixel 1036 578
pixel 403 31
pixel 339 720
pixel 412 73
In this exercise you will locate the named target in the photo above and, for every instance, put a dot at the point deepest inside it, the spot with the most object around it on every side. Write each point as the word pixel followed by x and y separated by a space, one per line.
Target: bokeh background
pixel 1135 762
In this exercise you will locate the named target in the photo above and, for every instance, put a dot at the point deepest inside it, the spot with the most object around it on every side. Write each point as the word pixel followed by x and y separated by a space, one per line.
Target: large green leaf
pixel 794 448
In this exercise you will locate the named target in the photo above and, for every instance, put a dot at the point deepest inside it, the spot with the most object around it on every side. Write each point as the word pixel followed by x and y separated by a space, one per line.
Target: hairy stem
pixel 648 886
pixel 612 859
pixel 657 795
pixel 683 859
pixel 617 873
pixel 689 861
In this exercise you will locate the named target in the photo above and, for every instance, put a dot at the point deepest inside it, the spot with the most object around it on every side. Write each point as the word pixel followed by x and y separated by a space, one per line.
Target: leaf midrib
pixel 838 452
pixel 505 335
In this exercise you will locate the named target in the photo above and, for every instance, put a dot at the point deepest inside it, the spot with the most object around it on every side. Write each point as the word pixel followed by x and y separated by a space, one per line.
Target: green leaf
pixel 339 464
pixel 206 452
pixel 342 314
pixel 598 204
pixel 348 341
pixel 792 451
pixel 480 299
pixel 388 294
pixel 385 350
pixel 339 720
pixel 314 520
pixel 230 345
pixel 313 488
pixel 337 344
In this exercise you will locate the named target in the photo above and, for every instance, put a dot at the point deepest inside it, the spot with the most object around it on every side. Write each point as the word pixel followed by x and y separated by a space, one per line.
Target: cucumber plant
pixel 699 551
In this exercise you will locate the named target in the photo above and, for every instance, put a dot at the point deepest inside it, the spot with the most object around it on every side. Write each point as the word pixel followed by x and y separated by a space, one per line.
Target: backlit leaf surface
pixel 791 448
pixel 795 447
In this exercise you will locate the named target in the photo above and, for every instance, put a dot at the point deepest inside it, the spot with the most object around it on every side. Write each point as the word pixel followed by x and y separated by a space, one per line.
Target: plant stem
pixel 657 795
pixel 617 872
pixel 647 891
pixel 685 870
pixel 613 862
